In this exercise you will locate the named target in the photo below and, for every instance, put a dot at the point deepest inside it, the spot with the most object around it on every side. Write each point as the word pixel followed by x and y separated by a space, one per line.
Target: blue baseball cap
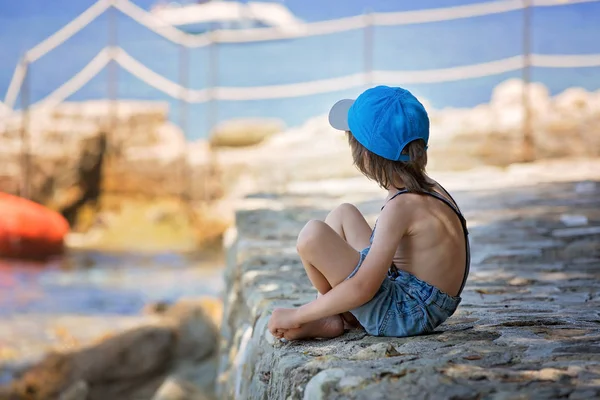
pixel 383 119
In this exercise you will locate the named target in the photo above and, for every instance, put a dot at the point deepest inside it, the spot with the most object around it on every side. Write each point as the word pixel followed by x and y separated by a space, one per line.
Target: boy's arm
pixel 358 290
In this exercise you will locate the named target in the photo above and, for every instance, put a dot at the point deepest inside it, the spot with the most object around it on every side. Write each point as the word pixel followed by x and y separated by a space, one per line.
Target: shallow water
pixel 97 283
pixel 85 295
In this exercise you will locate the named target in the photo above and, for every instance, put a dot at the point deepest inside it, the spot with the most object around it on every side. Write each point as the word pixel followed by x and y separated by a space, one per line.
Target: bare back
pixel 434 248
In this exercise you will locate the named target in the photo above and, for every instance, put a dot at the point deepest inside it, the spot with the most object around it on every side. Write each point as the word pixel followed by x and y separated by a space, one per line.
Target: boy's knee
pixel 310 235
pixel 344 209
pixel 347 207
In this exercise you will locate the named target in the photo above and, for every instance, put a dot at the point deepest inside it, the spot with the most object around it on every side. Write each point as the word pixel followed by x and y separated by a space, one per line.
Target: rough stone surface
pixel 528 326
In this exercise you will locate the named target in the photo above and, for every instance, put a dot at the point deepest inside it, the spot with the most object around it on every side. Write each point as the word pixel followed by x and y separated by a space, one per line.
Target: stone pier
pixel 528 326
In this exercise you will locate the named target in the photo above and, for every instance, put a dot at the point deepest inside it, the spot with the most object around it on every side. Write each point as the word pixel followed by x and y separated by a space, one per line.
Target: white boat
pixel 219 14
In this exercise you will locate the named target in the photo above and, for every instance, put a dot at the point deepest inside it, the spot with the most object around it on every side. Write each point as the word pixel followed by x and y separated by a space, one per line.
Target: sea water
pixel 567 29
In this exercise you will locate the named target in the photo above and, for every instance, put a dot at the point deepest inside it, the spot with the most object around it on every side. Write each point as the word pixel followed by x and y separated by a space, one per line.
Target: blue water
pixel 99 283
pixel 569 29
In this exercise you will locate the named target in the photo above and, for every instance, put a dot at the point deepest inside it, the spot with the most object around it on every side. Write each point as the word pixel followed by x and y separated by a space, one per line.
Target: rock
pixel 349 382
pixel 174 389
pixel 584 394
pixel 130 123
pixel 319 386
pixel 165 171
pixel 88 183
pixel 134 363
pixel 551 374
pixel 77 391
pixel 147 153
pixel 312 151
pixel 196 377
pixel 573 220
pixel 518 281
pixel 53 159
pixel 130 356
pixel 197 327
pixel 582 247
pixel 574 102
pixel 574 232
pixel 564 125
pixel 4 110
pixel 376 351
pixel 585 187
pixel 244 132
pixel 169 147
pixel 510 93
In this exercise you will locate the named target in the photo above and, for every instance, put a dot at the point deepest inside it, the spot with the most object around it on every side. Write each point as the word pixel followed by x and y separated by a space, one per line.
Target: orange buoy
pixel 30 230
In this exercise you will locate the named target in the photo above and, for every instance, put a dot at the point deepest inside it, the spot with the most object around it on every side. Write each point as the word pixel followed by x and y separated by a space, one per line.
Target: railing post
pixel 213 81
pixel 113 73
pixel 24 186
pixel 528 153
pixel 184 68
pixel 368 48
pixel 212 108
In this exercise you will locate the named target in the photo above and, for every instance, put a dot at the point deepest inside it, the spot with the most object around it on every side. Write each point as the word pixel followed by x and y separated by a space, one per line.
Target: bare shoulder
pixel 401 210
pixel 400 204
pixel 407 209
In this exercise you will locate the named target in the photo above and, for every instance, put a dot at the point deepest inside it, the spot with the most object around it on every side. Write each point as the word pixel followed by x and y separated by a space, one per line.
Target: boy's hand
pixel 281 320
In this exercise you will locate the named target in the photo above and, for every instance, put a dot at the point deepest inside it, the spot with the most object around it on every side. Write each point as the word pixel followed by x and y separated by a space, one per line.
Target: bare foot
pixel 350 321
pixel 329 327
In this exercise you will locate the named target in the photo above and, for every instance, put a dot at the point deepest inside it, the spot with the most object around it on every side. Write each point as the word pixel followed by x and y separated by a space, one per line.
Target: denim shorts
pixel 404 305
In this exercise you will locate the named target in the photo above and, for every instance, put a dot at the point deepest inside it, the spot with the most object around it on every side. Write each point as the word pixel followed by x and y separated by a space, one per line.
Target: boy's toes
pixel 294 334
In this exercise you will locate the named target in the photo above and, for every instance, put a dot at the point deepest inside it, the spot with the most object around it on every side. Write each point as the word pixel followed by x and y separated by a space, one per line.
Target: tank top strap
pixel 455 204
pixel 452 204
pixel 454 208
pixel 398 193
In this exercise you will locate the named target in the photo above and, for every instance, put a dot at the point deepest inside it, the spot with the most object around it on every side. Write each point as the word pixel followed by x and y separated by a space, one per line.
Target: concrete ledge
pixel 528 327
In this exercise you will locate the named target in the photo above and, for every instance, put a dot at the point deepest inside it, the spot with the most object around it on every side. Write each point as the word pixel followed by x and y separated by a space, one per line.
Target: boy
pixel 405 276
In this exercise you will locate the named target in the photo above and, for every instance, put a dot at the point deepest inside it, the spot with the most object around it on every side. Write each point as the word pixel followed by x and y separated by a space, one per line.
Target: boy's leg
pixel 330 252
pixel 351 225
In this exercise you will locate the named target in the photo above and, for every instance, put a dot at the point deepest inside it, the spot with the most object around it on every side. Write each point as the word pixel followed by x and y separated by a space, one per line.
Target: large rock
pixel 145 153
pixel 84 156
pixel 312 151
pixel 244 132
pixel 130 123
pixel 139 363
pixel 110 368
pixel 49 155
pixel 511 93
pixel 461 138
pixel 571 127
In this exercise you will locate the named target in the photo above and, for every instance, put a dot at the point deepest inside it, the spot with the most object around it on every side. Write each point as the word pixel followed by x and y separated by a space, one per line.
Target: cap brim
pixel 338 116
